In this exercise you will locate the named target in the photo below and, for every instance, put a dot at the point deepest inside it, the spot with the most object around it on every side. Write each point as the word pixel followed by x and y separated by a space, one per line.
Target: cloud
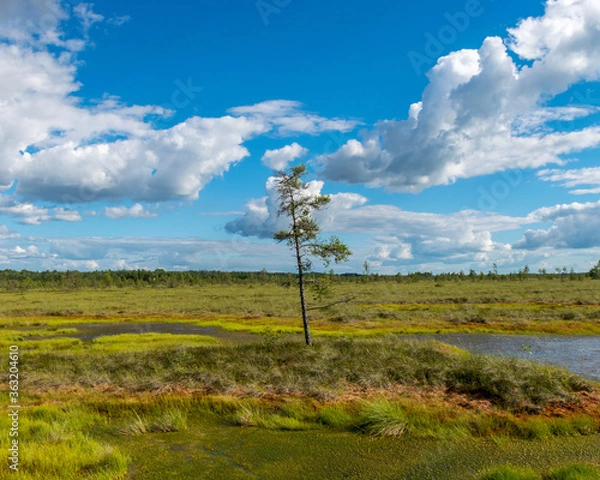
pixel 464 236
pixel 64 151
pixel 280 158
pixel 85 13
pixel 575 225
pixel 136 211
pixel 26 212
pixel 34 22
pixel 28 252
pixel 288 118
pixel 168 253
pixel 484 111
pixel 119 20
pixel 164 165
pixel 573 178
pixel 261 220
pixel 389 250
pixel 30 214
pixel 67 215
pixel 6 233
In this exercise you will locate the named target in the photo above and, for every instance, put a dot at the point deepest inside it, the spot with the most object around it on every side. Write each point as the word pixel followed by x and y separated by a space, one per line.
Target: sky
pixel 450 135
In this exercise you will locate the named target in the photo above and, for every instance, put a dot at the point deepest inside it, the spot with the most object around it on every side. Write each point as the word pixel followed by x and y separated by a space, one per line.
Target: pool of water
pixel 90 331
pixel 577 353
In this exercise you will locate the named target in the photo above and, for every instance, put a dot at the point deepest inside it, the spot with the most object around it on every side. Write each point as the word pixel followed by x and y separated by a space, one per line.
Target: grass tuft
pixel 576 471
pixel 383 418
pixel 169 421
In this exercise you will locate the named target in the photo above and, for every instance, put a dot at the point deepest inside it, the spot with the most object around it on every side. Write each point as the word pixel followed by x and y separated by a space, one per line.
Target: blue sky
pixel 451 135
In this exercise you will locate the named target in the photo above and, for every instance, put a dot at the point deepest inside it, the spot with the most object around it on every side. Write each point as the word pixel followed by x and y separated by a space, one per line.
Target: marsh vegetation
pixel 362 402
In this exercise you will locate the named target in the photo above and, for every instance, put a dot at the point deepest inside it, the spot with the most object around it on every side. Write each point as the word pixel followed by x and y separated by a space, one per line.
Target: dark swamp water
pixel 577 353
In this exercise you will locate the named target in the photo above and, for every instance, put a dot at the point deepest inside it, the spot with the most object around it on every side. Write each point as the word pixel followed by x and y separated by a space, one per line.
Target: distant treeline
pixel 73 279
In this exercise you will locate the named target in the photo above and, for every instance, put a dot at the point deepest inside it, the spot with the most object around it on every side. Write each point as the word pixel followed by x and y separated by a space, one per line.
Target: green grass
pixel 384 419
pixel 568 472
pixel 55 444
pixel 534 305
pixel 575 472
pixel 506 472
pixel 360 404
pixel 129 342
pixel 168 421
pixel 99 436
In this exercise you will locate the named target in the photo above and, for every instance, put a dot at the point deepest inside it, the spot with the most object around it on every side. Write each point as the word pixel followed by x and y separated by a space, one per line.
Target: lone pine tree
pixel 296 202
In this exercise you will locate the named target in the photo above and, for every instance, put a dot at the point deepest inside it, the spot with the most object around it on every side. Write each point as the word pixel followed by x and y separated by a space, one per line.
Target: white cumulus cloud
pixel 135 211
pixel 464 236
pixel 575 225
pixel 483 111
pixel 64 148
pixel 280 158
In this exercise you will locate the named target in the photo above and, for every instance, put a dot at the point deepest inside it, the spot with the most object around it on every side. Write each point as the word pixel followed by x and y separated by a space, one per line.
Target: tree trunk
pixel 307 336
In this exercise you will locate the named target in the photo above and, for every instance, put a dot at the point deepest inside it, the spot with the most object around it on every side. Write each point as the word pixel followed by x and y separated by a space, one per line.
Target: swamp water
pixel 578 353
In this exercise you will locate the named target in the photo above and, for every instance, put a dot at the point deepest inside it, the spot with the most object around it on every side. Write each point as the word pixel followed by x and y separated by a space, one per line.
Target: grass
pixel 425 389
pixel 332 365
pixel 129 342
pixel 575 472
pixel 530 306
pixel 383 418
pixel 569 472
pixel 55 443
pixel 506 472
pixel 90 422
pixel 362 402
pixel 93 434
pixel 168 421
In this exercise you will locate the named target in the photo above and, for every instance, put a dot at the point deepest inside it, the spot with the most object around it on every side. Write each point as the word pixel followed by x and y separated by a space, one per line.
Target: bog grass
pixel 376 308
pixel 55 444
pixel 568 472
pixel 103 409
pixel 331 365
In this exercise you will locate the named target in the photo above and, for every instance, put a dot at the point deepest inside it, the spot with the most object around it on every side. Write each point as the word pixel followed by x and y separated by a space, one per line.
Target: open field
pixel 361 403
